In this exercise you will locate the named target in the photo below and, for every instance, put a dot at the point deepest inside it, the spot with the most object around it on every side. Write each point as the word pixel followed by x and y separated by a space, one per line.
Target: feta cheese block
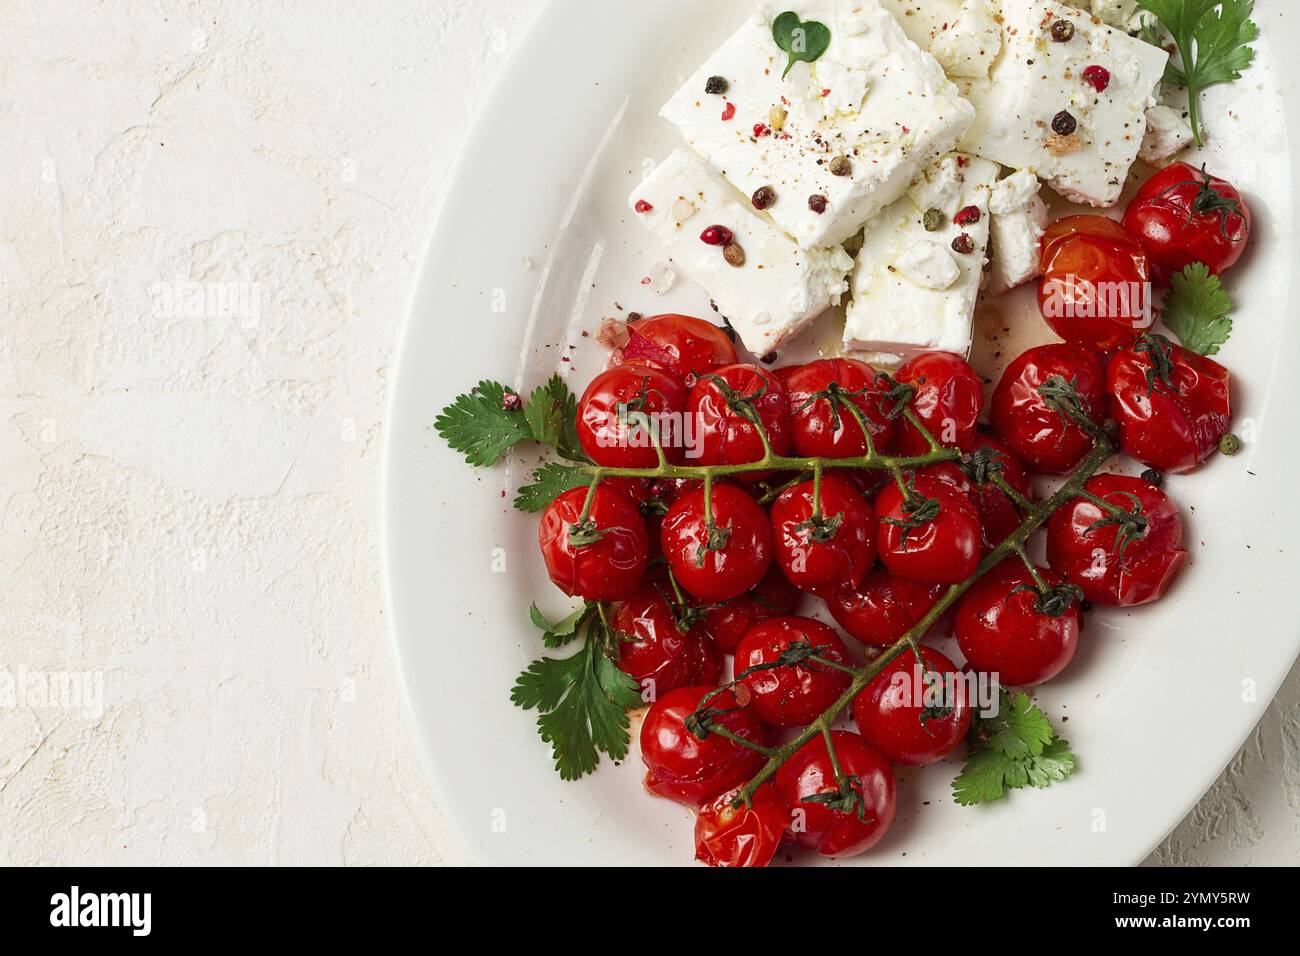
pixel 1168 132
pixel 968 45
pixel 1017 221
pixel 1043 113
pixel 837 139
pixel 777 288
pixel 912 292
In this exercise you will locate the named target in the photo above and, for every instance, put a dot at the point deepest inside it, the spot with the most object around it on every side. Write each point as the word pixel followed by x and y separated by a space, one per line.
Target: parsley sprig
pixel 1212 38
pixel 1196 309
pixel 1014 749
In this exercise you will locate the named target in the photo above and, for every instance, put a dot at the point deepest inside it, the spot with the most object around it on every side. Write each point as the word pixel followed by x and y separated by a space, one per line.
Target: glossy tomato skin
pixel 1180 215
pixel 795 694
pixel 840 560
pixel 1091 559
pixel 728 622
pixel 999 515
pixel 681 766
pixel 823 430
pixel 809 772
pixel 654 649
pixel 1001 632
pixel 943 550
pixel 1033 429
pixel 744 836
pixel 1094 287
pixel 1172 422
pixel 914 715
pixel 617 444
pixel 949 394
pixel 606 570
pixel 723 436
pixel 722 573
pixel 680 344
pixel 883 607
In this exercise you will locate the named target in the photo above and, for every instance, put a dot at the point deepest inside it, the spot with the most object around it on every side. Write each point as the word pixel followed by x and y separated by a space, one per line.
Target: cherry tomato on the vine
pixel 931 534
pixel 947 402
pixel 685 768
pixel 1005 628
pixel 824 425
pixel 601 558
pixel 681 344
pixel 1115 559
pixel 914 714
pixel 838 817
pixel 1172 405
pixel 883 607
pixel 834 549
pixel 748 835
pixel 719 404
pixel 1044 435
pixel 654 649
pixel 724 560
pixel 1183 215
pixel 999 515
pixel 791 695
pixel 728 622
pixel 611 412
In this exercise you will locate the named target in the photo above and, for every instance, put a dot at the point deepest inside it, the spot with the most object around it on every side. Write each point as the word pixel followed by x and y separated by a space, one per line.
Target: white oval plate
pixel 534 246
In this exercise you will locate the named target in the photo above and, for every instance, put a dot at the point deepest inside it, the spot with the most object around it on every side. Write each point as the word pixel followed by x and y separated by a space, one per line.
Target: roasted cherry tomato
pixel 681 344
pixel 1044 436
pixel 681 766
pixel 791 695
pixel 999 515
pixel 931 534
pixel 748 835
pixel 1183 215
pixel 718 405
pixel 1005 627
pixel 883 607
pixel 612 413
pixel 1117 559
pixel 1094 287
pixel 728 622
pixel 832 550
pixel 655 500
pixel 824 425
pixel 1172 405
pixel 947 402
pixel 864 800
pixel 726 559
pixel 602 557
pixel 912 714
pixel 655 648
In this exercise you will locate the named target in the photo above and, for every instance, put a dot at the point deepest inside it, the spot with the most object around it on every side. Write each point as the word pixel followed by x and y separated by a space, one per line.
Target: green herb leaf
pixel 801 40
pixel 983 779
pixel 549 482
pixel 564 630
pixel 552 414
pixel 1211 37
pixel 1196 309
pixel 1015 748
pixel 1019 730
pixel 482 423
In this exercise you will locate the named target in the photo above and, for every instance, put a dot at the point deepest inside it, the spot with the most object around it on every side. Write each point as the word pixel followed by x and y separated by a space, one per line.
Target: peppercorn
pixel 1062 31
pixel 840 166
pixel 763 197
pixel 933 220
pixel 963 244
pixel 817 203
pixel 1064 123
pixel 769 358
pixel 1229 445
pixel 716 236
pixel 967 216
pixel 734 254
pixel 716 85
pixel 1153 476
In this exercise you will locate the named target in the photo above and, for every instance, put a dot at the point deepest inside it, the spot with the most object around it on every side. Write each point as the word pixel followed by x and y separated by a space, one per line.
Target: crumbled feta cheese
pixel 1013 193
pixel 1019 219
pixel 873 97
pixel 939 187
pixel 1120 14
pixel 661 278
pixel 971 42
pixel 1168 132
pixel 778 290
pixel 929 265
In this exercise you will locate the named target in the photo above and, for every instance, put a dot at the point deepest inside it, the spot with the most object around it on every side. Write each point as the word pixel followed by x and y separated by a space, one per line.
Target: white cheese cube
pixel 1120 14
pixel 778 289
pixel 968 45
pixel 873 99
pixel 1036 78
pixel 1168 132
pixel 907 298
pixel 1017 221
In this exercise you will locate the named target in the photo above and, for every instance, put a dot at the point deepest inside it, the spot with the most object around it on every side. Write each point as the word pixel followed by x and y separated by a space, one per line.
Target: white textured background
pixel 187 495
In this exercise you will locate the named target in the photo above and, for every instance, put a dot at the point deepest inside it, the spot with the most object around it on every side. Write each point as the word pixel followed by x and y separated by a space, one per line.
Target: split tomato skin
pixel 654 649
pixel 723 435
pixel 883 607
pixel 849 529
pixel 607 569
pixel 942 550
pixel 725 572
pixel 1173 421
pixel 727 623
pixel 1035 431
pixel 796 694
pixel 681 344
pixel 949 395
pixel 1182 215
pixel 1000 631
pixel 744 836
pixel 623 444
pixel 822 429
pixel 809 772
pixel 1106 572
pixel 681 766
pixel 897 720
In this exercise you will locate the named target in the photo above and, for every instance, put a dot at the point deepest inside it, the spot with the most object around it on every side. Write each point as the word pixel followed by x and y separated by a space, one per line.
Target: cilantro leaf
pixel 552 415
pixel 483 423
pixel 1196 309
pixel 549 481
pixel 583 701
pixel 564 630
pixel 1014 748
pixel 983 779
pixel 804 40
pixel 1056 762
pixel 1211 37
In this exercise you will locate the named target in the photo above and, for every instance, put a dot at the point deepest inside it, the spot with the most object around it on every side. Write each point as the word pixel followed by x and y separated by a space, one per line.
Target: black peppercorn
pixel 1062 31
pixel 964 244
pixel 1064 123
pixel 1153 477
pixel 716 85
